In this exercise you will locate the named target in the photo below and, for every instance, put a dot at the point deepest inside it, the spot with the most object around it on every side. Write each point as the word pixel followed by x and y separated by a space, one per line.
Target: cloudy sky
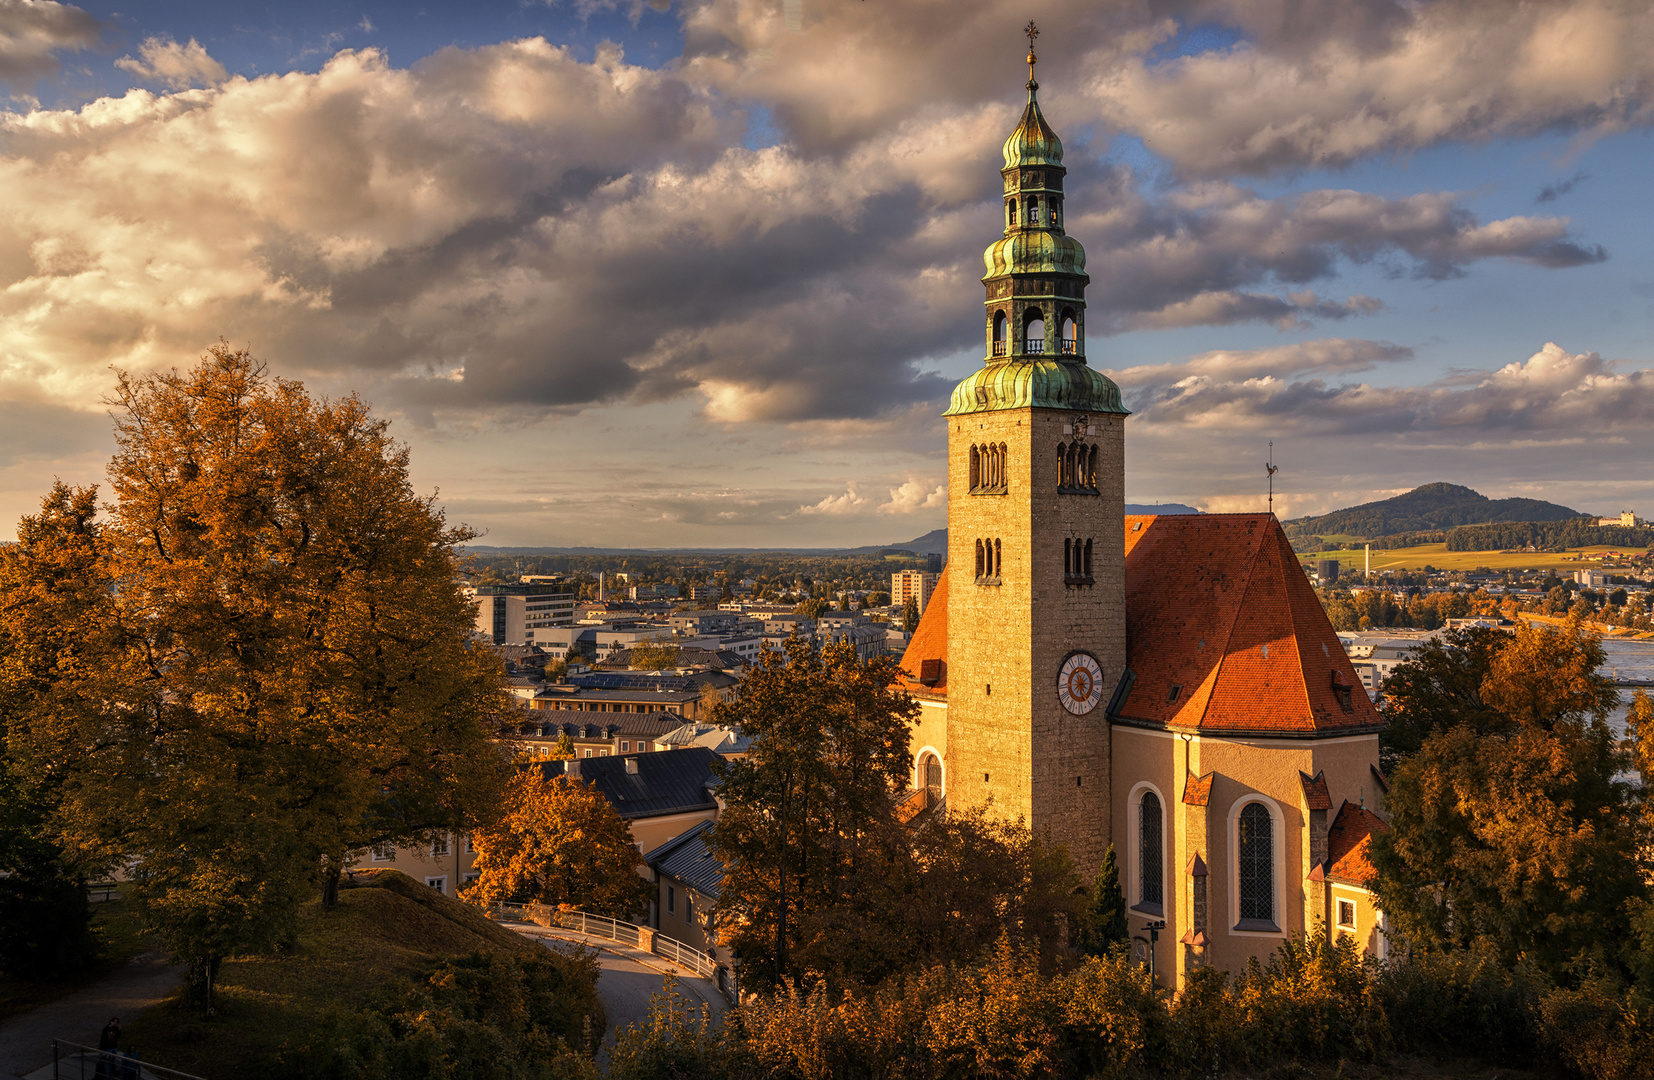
pixel 701 272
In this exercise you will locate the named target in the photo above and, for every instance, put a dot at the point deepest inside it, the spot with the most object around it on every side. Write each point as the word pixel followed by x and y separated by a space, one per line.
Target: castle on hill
pixel 1168 685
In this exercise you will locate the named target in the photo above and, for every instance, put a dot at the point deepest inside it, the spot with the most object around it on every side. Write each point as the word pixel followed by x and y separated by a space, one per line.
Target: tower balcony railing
pixel 1033 346
pixel 1070 346
pixel 999 348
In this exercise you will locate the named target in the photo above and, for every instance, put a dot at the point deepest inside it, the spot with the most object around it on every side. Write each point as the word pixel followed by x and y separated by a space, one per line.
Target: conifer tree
pixel 1104 925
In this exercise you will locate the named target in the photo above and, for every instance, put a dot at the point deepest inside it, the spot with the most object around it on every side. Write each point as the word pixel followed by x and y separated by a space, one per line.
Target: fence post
pixel 646 939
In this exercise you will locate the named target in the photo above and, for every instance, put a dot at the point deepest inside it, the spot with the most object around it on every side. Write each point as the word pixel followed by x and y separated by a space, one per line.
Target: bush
pixel 484 1014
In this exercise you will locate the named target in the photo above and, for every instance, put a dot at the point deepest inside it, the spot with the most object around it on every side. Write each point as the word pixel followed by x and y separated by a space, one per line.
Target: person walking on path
pixel 108 1044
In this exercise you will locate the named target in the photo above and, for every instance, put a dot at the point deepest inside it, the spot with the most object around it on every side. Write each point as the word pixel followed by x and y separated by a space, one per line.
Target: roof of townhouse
pixel 647 785
pixel 688 858
pixel 723 740
pixel 549 724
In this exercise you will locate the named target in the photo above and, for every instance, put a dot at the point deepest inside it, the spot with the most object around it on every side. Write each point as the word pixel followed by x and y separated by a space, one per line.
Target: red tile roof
pixel 929 642
pixel 1349 844
pixel 1315 791
pixel 1224 632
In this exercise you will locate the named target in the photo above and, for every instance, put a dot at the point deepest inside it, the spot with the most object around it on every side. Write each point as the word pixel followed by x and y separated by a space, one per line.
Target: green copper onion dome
pixel 1039 384
pixel 1030 252
pixel 1033 142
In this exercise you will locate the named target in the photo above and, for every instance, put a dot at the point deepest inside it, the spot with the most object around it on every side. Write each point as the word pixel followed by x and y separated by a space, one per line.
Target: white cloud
pixel 1312 90
pixel 915 495
pixel 1553 390
pixel 165 61
pixel 848 503
pixel 33 32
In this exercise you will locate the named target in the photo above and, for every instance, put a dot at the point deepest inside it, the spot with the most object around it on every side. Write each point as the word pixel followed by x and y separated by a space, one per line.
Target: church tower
pixel 1036 492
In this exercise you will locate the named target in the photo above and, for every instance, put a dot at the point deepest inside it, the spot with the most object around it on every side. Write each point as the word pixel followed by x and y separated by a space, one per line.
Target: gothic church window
pixel 1076 562
pixel 1255 866
pixel 1151 876
pixel 988 555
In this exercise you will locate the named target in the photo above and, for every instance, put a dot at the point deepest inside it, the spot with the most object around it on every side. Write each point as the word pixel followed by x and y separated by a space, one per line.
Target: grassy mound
pixel 386 933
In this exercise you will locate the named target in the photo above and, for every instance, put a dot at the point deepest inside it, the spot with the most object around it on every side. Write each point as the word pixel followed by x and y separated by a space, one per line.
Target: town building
pixel 916 585
pixel 1168 685
pixel 689 882
pixel 517 614
pixel 658 795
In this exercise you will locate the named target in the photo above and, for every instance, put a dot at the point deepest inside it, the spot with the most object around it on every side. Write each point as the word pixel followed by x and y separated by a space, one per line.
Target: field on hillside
pixel 1437 555
pixel 266 1006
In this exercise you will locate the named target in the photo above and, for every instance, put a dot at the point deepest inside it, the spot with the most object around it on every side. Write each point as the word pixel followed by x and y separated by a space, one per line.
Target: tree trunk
pixel 199 978
pixel 330 884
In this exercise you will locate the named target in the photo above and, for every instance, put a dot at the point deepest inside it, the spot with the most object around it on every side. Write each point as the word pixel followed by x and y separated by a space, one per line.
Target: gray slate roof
pixel 688 858
pixel 666 781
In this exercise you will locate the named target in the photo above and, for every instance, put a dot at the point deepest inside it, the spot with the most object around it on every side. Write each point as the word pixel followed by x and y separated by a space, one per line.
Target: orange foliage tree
pixel 559 842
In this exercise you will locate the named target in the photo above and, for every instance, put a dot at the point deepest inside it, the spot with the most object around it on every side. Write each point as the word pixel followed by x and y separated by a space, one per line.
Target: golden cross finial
pixel 1033 32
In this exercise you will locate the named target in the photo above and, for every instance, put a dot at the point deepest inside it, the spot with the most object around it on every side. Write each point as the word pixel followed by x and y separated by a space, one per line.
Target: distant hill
pixel 1162 508
pixel 1433 506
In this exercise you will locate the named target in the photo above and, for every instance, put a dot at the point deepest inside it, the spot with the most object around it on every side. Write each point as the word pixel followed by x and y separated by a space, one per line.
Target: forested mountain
pixel 1433 506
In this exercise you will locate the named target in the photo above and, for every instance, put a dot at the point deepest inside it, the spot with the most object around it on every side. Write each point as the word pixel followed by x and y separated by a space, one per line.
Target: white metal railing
pixel 702 964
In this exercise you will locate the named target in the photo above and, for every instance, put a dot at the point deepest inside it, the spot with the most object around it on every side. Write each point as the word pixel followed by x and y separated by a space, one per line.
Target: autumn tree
pixel 813 608
pixel 559 842
pixel 654 656
pixel 810 806
pixel 1520 835
pixel 910 615
pixel 267 665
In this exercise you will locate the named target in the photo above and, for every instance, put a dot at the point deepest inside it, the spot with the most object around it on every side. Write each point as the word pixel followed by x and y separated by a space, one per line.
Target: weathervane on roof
pixel 1271 467
pixel 1033 32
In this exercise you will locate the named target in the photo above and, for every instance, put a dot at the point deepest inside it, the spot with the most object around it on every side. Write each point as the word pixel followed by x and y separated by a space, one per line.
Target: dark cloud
pixel 1552 192
pixel 33 32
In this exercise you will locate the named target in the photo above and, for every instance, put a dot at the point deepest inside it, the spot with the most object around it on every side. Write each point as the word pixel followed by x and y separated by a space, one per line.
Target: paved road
pixel 26 1040
pixel 631 977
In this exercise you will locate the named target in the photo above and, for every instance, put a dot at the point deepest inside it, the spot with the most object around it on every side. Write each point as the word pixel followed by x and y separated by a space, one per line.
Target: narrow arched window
pixel 1033 210
pixel 1255 863
pixel 980 571
pixel 1151 875
pixel 999 333
pixel 1069 344
pixel 1011 211
pixel 1067 557
pixel 1087 570
pixel 1033 333
pixel 1004 463
pixel 1062 464
pixel 1054 206
pixel 976 468
pixel 1091 470
pixel 997 554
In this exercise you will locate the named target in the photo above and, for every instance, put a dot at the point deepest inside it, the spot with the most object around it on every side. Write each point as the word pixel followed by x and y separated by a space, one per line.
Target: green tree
pixel 910 615
pixel 277 667
pixel 813 608
pixel 559 842
pixel 1520 837
pixel 877 599
pixel 1104 924
pixel 1439 686
pixel 810 807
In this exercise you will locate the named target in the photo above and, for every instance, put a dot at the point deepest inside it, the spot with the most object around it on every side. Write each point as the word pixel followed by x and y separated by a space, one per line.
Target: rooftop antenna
pixel 1033 32
pixel 1271 466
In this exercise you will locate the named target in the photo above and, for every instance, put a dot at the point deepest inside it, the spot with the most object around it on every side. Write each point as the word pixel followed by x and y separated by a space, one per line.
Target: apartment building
pixel 517 614
pixel 917 584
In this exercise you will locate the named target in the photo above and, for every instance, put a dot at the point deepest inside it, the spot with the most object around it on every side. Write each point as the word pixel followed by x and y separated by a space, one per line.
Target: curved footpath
pixel 630 977
pixel 26 1039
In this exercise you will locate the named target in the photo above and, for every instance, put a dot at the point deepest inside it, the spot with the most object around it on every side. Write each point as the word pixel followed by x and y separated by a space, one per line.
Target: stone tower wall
pixel 1043 764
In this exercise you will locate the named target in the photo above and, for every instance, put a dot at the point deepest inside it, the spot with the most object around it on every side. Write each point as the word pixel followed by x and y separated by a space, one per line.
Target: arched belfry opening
pixel 1033 331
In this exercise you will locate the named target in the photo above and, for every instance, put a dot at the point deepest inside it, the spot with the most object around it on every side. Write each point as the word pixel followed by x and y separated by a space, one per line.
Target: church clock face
pixel 1080 683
